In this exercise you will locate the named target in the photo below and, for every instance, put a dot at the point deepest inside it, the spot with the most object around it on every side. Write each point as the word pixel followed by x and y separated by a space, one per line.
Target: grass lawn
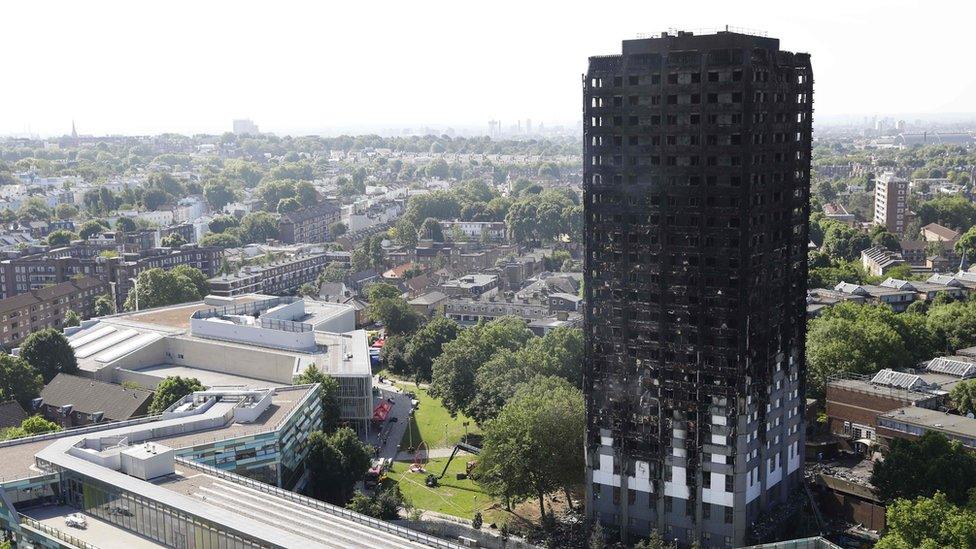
pixel 429 421
pixel 460 498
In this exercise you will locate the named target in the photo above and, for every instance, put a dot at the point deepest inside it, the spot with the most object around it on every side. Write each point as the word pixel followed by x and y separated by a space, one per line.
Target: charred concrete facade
pixel 696 180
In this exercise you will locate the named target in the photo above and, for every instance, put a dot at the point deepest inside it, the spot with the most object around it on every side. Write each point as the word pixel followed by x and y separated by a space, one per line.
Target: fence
pixel 371 522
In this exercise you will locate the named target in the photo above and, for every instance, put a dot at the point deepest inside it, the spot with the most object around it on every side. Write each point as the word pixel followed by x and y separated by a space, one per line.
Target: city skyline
pixel 141 69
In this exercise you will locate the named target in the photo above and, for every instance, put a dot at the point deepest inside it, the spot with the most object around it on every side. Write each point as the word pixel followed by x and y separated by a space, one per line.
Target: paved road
pixel 387 439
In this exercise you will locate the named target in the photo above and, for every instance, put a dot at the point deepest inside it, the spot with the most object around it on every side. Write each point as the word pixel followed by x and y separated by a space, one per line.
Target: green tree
pixel 966 245
pixel 887 240
pixel 157 288
pixel 60 238
pixel 381 290
pixel 221 223
pixel 333 272
pixel 454 370
pixel 559 353
pixel 172 389
pixel 843 242
pixel 90 228
pixel 431 230
pixel 496 382
pixel 393 355
pixel 173 240
pixel 218 194
pixel 427 344
pixel 286 205
pixel 922 467
pixel 258 227
pixel 654 541
pixel 328 393
pixel 153 199
pixel 337 229
pixel 308 290
pixel 125 224
pixel 65 211
pixel 437 169
pixel 397 316
pixel 49 352
pixel 221 240
pixel 405 233
pixel 955 212
pixel 535 445
pixel 19 380
pixel 34 209
pixel 953 325
pixel 37 425
pixel 928 523
pixel 384 505
pixel 71 318
pixel 336 462
pixel 863 339
pixel 196 276
pixel 963 396
pixel 104 306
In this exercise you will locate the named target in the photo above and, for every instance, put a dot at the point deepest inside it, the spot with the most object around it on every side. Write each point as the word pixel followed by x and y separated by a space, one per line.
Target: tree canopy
pixel 397 316
pixel 922 467
pixel 535 445
pixel 928 523
pixel 328 393
pixel 49 352
pixel 157 288
pixel 258 227
pixel 864 339
pixel 171 390
pixel 454 371
pixel 336 462
pixel 19 380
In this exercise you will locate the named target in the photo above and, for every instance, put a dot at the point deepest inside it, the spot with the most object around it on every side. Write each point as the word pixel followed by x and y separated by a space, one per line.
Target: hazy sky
pixel 148 66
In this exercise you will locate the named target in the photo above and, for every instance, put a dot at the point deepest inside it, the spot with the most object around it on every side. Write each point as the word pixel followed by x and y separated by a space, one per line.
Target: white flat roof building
pixel 250 341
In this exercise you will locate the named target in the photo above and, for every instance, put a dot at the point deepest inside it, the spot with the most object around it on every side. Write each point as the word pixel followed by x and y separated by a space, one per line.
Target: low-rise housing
pixel 926 291
pixel 898 300
pixel 820 298
pixel 71 401
pixel 912 422
pixel 472 285
pixel 878 260
pixel 494 231
pixel 838 212
pixel 933 232
pixel 427 304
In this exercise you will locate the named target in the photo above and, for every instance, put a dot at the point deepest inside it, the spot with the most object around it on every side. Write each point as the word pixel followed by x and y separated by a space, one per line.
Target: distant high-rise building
pixel 696 185
pixel 528 125
pixel 245 126
pixel 891 202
